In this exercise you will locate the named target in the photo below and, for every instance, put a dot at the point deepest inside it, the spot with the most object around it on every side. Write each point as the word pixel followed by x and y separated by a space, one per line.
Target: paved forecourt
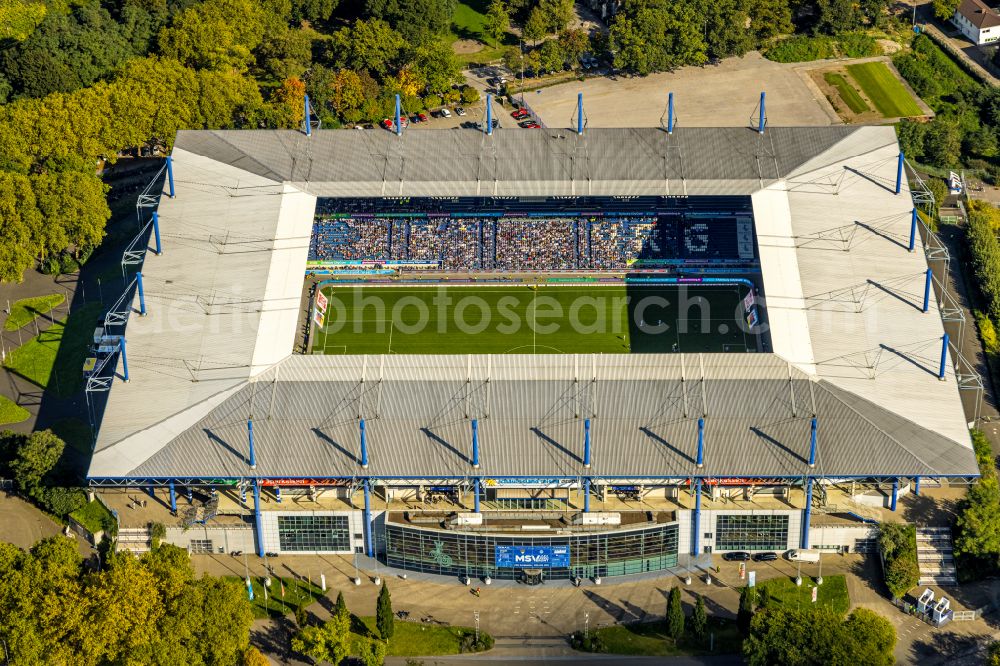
pixel 581 318
pixel 725 95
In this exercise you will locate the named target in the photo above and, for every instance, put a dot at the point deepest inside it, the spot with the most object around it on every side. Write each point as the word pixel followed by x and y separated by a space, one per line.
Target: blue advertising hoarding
pixel 532 557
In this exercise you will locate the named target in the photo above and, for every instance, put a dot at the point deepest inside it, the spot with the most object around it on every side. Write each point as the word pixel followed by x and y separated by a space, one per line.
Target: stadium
pixel 530 354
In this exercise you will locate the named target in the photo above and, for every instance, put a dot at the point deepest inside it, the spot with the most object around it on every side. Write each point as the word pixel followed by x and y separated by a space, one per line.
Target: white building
pixel 977 21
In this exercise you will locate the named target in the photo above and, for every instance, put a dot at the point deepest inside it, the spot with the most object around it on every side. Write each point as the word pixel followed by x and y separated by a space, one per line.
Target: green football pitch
pixel 612 319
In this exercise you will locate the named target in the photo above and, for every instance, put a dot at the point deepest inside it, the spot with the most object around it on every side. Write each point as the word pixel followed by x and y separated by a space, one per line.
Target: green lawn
pixel 832 593
pixel 11 412
pixel 650 638
pixel 296 592
pixel 416 639
pixel 885 91
pixel 467 23
pixel 621 318
pixel 24 311
pixel 847 92
pixel 54 359
pixel 94 516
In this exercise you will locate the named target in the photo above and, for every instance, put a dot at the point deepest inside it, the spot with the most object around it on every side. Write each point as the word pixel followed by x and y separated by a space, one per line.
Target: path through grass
pixel 884 89
pixel 847 92
pixel 53 360
pixel 24 311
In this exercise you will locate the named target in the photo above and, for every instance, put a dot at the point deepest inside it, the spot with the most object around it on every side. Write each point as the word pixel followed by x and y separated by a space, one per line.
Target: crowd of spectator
pixel 509 243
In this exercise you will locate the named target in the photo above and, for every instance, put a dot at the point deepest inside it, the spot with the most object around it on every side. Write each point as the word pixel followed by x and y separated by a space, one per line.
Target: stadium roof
pixel 843 302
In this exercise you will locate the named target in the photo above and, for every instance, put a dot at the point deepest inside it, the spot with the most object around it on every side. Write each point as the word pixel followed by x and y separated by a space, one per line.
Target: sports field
pixel 597 319
pixel 884 89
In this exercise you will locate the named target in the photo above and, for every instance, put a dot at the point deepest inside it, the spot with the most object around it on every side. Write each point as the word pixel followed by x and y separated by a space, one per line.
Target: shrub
pixel 898 543
pixel 589 643
pixel 469 643
pixel 985 250
pixel 469 95
pixel 157 533
pixel 432 101
pixel 801 49
pixel 987 333
pixel 858 45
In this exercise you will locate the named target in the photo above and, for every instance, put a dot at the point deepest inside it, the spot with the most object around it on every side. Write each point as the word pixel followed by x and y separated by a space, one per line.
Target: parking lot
pixel 723 95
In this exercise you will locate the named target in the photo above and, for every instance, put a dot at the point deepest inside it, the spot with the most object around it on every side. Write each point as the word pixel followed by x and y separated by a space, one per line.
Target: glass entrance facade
pixel 314 534
pixel 473 554
pixel 750 532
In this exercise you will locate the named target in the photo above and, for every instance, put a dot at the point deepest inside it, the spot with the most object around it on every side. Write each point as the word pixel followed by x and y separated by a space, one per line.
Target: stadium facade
pixel 534 465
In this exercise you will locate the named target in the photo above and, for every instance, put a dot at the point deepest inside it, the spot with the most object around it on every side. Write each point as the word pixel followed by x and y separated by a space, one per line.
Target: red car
pixel 519 114
pixel 530 125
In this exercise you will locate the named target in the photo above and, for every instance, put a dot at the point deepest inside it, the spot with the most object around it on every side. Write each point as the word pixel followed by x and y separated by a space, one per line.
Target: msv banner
pixel 532 557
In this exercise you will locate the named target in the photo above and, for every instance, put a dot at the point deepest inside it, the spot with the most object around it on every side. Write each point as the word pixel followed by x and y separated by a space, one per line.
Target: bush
pixel 470 644
pixel 157 533
pixel 898 543
pixel 801 49
pixel 987 333
pixel 985 250
pixel 432 101
pixel 590 643
pixel 469 95
pixel 858 45
pixel 60 501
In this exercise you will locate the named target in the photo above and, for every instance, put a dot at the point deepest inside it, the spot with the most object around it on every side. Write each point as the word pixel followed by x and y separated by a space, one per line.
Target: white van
pixel 799 555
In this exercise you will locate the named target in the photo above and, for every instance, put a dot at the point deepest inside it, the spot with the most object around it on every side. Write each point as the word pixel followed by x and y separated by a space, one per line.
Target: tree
pixel 68 50
pixel 551 55
pixel 574 43
pixel 313 10
pixel 699 619
pixel 535 27
pixel 75 210
pixel 818 636
pixel 311 641
pixel 943 142
pixel 497 21
pixel 371 45
pixel 657 35
pixel 288 102
pixel 419 21
pixel 253 657
pixel 901 575
pixel 19 18
pixel 556 14
pixel 872 637
pixel 384 620
pixel 726 23
pixel 836 16
pixel 216 34
pixel 748 604
pixel 19 221
pixel 675 614
pixel 289 53
pixel 340 607
pixel 437 66
pixel 978 523
pixel 35 459
pixel 373 652
pixel 945 9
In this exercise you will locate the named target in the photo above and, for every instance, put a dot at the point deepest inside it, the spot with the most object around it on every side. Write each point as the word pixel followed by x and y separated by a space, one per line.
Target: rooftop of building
pixel 850 343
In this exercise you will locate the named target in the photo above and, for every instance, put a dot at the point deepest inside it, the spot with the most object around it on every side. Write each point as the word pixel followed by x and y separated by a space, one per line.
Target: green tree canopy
pixel 497 20
pixel 418 21
pixel 657 35
pixel 367 45
pixel 384 620
pixel 675 614
pixel 818 636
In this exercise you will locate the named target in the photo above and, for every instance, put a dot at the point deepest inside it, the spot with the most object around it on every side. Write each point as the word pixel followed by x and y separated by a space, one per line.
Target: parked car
pixel 420 118
pixel 519 114
pixel 531 125
pixel 388 123
pixel 445 113
pixel 480 125
pixel 736 556
pixel 799 555
pixel 765 557
pixel 459 111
